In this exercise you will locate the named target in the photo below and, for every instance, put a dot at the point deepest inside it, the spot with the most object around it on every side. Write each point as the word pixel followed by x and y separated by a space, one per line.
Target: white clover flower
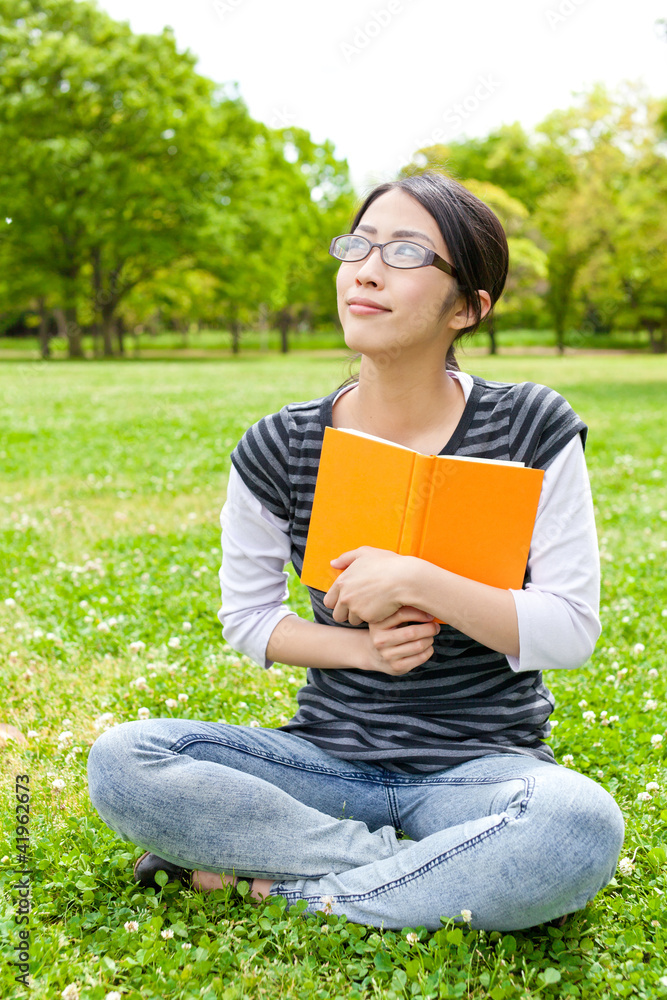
pixel 137 646
pixel 600 774
pixel 10 602
pixel 32 734
pixel 656 740
pixel 103 627
pixel 167 933
pixel 638 648
pixel 568 759
pixel 70 992
pixel 583 703
pixel 12 656
pixel 103 721
pixel 644 797
pixel 652 786
pixel 186 626
pixel 182 696
pixel 84 604
pixel 171 703
pixel 139 683
pixel 51 637
pixel 625 866
pixel 412 938
pixel 186 946
pixel 254 723
pixel 589 716
pixel 327 903
pixel 613 718
pixel 174 642
pixel 3 861
pixel 653 674
pixel 663 979
pixel 650 705
pixel 467 915
pixel 610 678
pixel 66 737
pixel 114 995
pixel 58 784
pixel 131 926
pixel 144 713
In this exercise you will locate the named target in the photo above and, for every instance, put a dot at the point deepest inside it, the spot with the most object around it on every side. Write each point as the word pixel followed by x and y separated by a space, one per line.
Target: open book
pixel 472 516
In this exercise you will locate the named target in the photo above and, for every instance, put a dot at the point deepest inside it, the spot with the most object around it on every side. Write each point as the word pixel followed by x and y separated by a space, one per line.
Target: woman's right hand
pixel 396 648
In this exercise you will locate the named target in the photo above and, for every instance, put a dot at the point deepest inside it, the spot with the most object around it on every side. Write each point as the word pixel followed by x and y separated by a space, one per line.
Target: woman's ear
pixel 464 317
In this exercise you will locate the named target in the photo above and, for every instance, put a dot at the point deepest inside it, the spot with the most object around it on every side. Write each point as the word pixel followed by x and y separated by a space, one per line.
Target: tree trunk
pixel 69 328
pixel 283 326
pixel 491 329
pixel 120 335
pixel 658 340
pixel 107 332
pixel 235 328
pixel 44 334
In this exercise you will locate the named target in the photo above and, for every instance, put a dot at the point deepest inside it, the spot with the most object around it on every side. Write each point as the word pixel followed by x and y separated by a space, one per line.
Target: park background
pixel 164 282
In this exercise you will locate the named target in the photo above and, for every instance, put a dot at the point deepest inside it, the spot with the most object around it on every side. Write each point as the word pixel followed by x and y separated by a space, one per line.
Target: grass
pixel 113 476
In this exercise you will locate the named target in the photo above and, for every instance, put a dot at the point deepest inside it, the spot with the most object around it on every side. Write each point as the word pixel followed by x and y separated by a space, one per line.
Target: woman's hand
pixel 396 648
pixel 369 588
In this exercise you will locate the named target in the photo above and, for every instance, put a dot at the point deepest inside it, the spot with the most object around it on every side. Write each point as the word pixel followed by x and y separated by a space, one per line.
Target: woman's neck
pixel 409 408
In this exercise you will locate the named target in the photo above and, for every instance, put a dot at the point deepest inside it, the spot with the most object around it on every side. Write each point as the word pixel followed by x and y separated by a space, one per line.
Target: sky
pixel 381 79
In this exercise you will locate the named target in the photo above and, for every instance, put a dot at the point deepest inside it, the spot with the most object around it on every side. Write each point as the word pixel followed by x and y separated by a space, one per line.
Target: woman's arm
pixel 255 550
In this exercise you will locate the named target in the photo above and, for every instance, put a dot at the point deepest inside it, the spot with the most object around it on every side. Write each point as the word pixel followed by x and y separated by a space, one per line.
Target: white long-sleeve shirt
pixel 557 611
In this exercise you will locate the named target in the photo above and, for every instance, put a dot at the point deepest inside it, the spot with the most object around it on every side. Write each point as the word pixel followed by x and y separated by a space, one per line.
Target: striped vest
pixel 464 702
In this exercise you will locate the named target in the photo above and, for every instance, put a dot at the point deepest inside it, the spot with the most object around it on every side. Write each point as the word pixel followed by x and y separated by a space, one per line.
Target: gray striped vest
pixel 466 701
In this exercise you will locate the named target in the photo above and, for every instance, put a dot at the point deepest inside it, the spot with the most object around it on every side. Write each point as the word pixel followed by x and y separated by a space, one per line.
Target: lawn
pixel 112 476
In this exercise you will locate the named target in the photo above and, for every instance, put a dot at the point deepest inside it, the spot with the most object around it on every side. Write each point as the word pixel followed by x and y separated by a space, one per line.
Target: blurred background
pixel 172 174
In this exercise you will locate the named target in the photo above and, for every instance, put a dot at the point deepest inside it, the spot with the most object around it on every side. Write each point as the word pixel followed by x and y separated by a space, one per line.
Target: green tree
pixel 110 135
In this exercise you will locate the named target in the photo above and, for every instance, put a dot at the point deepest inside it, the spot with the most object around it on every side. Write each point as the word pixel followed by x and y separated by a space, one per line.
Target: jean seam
pixel 435 862
pixel 387 780
pixel 185 741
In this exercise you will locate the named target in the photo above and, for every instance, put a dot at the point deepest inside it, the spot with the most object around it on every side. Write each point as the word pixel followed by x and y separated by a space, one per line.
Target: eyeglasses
pixel 396 253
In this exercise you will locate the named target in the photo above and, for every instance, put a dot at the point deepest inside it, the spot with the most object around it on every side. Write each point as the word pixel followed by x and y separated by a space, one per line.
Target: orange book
pixel 472 516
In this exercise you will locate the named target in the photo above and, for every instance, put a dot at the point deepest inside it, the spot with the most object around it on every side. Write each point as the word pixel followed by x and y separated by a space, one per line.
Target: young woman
pixel 413 782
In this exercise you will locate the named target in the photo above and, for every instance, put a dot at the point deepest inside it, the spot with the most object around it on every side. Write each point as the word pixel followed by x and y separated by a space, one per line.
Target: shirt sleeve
pixel 255 550
pixel 558 610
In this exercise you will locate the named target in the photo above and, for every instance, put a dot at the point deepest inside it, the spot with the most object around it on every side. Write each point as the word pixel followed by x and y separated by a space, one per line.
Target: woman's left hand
pixel 368 589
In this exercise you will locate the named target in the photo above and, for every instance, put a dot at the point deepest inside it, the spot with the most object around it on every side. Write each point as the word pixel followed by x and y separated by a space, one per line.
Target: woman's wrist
pixel 302 643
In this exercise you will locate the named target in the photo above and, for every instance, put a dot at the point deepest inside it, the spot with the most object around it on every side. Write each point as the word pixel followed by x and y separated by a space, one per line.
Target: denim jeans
pixel 515 840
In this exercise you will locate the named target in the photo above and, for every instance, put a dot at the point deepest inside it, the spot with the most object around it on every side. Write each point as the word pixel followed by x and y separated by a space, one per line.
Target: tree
pixel 110 135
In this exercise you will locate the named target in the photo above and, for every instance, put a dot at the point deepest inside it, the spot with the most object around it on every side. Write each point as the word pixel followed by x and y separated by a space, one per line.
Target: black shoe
pixel 148 864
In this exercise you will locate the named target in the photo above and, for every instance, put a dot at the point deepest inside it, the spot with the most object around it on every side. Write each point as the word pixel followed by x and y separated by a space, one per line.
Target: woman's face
pixel 412 297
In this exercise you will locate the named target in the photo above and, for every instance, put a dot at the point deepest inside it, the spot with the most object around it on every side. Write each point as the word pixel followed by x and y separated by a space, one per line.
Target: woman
pixel 414 782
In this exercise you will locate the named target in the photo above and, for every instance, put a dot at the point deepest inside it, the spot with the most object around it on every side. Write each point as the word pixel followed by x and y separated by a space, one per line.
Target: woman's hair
pixel 474 237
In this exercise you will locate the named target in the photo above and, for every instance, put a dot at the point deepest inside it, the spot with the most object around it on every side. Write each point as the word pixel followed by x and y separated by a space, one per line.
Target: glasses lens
pixel 351 247
pixel 400 254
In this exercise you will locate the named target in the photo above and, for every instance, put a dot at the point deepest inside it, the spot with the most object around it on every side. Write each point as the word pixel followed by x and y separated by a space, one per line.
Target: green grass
pixel 113 476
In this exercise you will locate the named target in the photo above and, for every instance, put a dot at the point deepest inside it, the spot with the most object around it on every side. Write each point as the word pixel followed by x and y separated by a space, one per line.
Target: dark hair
pixel 474 236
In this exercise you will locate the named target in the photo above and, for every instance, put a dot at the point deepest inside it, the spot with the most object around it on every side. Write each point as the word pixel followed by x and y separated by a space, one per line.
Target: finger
pixel 340 612
pixel 406 613
pixel 345 559
pixel 354 619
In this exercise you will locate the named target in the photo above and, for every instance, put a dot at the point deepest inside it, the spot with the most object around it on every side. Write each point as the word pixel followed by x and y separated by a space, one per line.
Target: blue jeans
pixel 515 840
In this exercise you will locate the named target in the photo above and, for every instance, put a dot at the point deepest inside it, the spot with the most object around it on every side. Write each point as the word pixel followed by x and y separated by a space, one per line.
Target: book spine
pixel 417 503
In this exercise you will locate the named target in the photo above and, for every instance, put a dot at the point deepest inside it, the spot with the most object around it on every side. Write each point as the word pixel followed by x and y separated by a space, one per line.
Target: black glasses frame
pixel 431 256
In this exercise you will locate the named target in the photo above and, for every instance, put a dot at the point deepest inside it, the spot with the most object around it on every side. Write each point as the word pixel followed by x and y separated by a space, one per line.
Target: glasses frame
pixel 431 256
